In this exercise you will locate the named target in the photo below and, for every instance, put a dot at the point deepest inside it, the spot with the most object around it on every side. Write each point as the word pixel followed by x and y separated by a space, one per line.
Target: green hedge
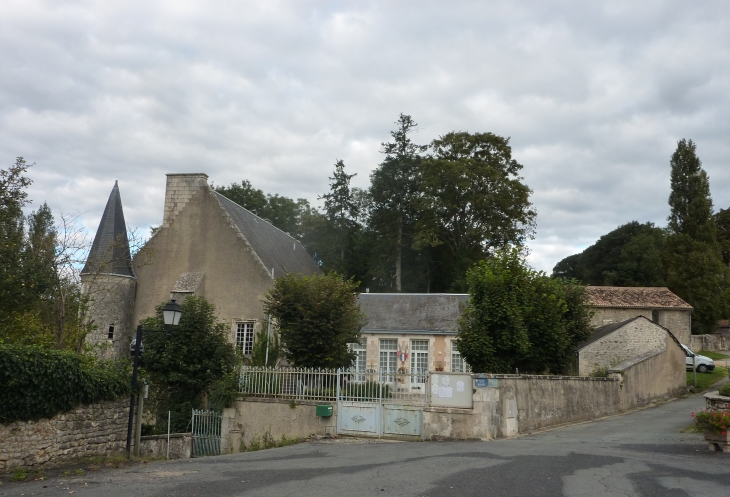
pixel 40 383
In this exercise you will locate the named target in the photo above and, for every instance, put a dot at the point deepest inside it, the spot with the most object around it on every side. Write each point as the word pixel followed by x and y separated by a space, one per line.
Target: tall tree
pixel 393 191
pixel 722 219
pixel 341 209
pixel 14 295
pixel 472 201
pixel 695 270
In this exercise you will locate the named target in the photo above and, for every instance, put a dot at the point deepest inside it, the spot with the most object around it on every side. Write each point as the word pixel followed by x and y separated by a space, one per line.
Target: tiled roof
pixel 723 323
pixel 275 248
pixel 635 297
pixel 110 251
pixel 412 312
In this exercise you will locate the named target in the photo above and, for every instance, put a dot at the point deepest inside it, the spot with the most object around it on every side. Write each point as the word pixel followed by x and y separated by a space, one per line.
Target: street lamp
pixel 171 314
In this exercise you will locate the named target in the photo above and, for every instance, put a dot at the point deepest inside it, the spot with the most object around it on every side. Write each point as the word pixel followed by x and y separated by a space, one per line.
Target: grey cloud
pixel 594 96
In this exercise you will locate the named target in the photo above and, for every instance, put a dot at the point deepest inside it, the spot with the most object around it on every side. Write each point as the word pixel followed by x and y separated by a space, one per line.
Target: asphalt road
pixel 641 453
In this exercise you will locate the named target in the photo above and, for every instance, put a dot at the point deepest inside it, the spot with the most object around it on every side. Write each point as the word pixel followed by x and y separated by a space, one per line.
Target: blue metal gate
pixel 384 403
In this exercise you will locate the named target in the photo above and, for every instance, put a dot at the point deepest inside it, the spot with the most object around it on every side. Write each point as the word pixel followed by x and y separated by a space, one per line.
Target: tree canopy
pixel 630 255
pixel 519 318
pixel 318 316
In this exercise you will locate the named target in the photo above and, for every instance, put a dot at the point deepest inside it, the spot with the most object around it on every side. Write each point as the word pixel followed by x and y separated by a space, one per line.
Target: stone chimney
pixel 180 188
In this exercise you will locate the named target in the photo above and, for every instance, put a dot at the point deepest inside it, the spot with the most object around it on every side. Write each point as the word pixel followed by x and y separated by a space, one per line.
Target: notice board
pixel 451 390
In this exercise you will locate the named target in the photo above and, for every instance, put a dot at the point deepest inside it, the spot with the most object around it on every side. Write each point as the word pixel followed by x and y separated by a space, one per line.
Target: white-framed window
pixel 388 355
pixel 458 364
pixel 419 361
pixel 359 365
pixel 244 337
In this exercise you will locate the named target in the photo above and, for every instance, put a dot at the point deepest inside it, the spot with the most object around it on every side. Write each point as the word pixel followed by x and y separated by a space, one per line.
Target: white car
pixel 704 364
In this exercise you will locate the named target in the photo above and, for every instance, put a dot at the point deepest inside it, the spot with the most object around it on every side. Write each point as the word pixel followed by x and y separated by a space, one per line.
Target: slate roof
pixel 412 312
pixel 275 248
pixel 110 251
pixel 635 297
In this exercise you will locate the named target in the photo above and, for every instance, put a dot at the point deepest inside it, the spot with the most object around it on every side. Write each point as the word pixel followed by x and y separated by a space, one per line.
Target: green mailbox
pixel 324 410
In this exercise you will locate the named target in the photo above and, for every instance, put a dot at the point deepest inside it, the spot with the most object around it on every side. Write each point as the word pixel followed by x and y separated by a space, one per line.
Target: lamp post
pixel 171 316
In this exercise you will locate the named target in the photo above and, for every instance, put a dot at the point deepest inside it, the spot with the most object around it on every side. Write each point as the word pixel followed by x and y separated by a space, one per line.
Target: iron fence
pixel 330 384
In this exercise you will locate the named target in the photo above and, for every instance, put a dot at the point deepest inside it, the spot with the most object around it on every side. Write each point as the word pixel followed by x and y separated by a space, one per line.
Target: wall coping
pixel 539 377
pixel 299 402
pixel 450 410
pixel 636 360
pixel 716 396
pixel 164 437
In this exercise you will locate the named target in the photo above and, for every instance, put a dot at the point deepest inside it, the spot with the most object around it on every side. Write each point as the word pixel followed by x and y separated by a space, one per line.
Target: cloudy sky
pixel 594 96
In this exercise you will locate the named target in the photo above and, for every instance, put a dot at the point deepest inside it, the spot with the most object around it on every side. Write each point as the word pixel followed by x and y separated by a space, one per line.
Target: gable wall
pixel 200 238
pixel 633 339
pixel 676 321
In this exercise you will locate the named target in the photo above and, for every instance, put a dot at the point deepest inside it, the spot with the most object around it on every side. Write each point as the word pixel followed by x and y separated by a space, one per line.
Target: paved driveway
pixel 641 453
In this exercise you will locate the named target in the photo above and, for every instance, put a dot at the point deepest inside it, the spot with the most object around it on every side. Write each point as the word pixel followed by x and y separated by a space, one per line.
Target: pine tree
pixel 393 191
pixel 341 210
pixel 693 259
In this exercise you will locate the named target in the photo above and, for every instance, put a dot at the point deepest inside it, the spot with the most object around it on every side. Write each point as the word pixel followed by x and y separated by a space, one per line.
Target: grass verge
pixel 715 356
pixel 706 380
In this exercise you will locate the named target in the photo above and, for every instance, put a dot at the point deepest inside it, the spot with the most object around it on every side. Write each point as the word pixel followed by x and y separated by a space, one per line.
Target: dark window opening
pixel 655 316
pixel 110 336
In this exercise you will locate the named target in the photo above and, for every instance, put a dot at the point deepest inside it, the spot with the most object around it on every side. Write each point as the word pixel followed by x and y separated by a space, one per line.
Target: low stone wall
pixel 513 404
pixel 252 419
pixel 654 376
pixel 508 405
pixel 181 445
pixel 92 430
pixel 709 342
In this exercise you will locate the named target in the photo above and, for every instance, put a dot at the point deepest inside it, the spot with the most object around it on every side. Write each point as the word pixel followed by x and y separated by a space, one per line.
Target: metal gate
pixel 206 433
pixel 383 403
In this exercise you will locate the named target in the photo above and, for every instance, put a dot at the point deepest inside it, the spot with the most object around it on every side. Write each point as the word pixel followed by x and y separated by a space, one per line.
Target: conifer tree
pixel 393 192
pixel 693 258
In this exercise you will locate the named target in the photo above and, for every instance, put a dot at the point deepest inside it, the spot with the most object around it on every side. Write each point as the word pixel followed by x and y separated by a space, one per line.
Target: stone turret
pixel 109 281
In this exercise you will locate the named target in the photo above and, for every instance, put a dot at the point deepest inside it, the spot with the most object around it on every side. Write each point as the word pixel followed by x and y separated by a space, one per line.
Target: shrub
pixel 717 421
pixel 367 390
pixel 40 383
pixel 725 390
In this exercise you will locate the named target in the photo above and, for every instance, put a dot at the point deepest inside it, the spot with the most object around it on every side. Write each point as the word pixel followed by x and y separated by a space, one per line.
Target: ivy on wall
pixel 40 383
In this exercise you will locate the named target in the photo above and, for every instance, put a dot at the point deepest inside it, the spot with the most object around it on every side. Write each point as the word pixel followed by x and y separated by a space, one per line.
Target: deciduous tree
pixel 318 316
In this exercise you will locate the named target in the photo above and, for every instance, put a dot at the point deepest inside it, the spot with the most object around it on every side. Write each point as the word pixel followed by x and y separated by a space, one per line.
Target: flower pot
pixel 718 441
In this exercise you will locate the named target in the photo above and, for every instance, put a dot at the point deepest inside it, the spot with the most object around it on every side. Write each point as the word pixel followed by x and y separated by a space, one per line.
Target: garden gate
pixel 206 433
pixel 381 404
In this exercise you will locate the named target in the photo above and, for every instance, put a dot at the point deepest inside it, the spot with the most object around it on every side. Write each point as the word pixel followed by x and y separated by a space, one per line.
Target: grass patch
pixel 706 380
pixel 693 428
pixel 715 356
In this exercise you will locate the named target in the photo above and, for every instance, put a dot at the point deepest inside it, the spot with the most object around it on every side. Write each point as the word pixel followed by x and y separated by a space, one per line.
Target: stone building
pixel 613 344
pixel 207 245
pixel 109 281
pixel 616 304
pixel 410 332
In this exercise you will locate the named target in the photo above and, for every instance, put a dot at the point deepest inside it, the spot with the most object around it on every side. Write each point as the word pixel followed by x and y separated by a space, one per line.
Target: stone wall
pixel 180 189
pixel 709 342
pixel 509 405
pixel 629 341
pixel 93 430
pixel 181 446
pixel 676 321
pixel 252 418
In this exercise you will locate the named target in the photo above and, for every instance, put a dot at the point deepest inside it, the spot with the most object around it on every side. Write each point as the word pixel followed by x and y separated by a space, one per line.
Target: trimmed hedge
pixel 40 383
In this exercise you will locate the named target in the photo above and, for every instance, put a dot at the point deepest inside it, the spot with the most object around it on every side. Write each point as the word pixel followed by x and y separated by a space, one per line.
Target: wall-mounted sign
pixel 485 383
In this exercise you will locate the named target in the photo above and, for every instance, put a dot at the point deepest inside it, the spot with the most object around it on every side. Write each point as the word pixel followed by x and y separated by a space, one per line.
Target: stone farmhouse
pixel 613 344
pixel 207 245
pixel 613 304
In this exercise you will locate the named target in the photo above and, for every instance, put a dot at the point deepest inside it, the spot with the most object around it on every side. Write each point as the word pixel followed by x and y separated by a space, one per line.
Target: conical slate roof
pixel 110 250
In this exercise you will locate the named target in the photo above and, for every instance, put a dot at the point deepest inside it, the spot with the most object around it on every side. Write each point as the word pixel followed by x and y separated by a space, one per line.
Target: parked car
pixel 704 364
